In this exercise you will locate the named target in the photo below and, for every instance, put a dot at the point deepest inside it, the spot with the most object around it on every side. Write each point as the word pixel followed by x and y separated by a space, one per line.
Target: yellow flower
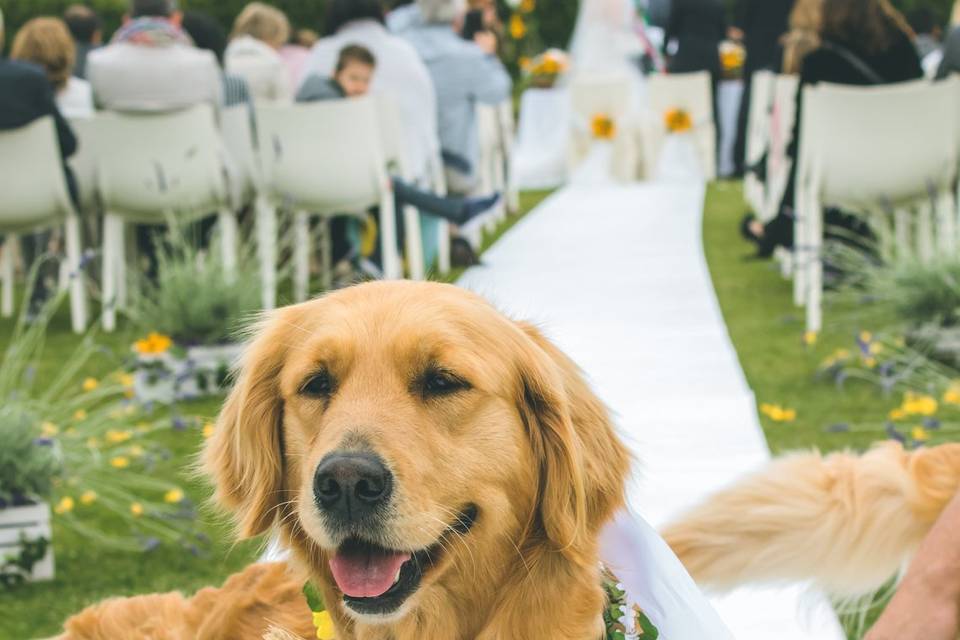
pixel 732 58
pixel 153 344
pixel 136 509
pixel 528 6
pixel 116 437
pixel 88 497
pixel 174 496
pixel 876 348
pixel 324 624
pixel 677 120
pixel 866 337
pixel 952 395
pixel 126 379
pixel 90 384
pixel 48 429
pixel 777 413
pixel 810 338
pixel 208 430
pixel 920 434
pixel 603 127
pixel 898 414
pixel 80 415
pixel 65 505
pixel 518 28
pixel 919 405
pixel 525 63
pixel 870 362
pixel 120 462
pixel 136 451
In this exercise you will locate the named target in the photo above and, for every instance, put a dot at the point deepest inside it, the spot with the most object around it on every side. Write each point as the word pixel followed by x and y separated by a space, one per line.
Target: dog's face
pixel 397 430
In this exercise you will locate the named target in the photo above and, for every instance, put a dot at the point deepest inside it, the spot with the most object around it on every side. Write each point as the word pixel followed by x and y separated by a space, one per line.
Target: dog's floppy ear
pixel 244 455
pixel 583 464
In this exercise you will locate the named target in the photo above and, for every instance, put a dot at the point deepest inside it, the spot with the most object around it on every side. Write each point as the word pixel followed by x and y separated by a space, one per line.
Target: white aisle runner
pixel 616 276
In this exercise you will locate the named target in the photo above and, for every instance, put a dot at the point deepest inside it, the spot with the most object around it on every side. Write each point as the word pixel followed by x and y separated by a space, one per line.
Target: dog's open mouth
pixel 377 581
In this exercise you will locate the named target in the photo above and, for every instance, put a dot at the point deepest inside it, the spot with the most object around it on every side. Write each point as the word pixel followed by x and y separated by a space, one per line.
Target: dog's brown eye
pixel 319 385
pixel 437 382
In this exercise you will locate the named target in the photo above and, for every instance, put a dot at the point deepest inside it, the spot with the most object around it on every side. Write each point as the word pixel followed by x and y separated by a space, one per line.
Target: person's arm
pixel 491 83
pixel 927 603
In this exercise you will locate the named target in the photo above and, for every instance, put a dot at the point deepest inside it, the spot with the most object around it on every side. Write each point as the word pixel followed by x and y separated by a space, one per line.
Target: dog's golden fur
pixel 527 443
pixel 849 523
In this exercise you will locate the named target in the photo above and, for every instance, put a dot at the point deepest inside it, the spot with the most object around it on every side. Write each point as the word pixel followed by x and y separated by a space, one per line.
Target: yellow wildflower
pixel 518 28
pixel 870 362
pixel 80 415
pixel 88 497
pixel 898 414
pixel 90 384
pixel 876 348
pixel 208 430
pixel 65 505
pixel 528 6
pixel 153 344
pixel 126 379
pixel 603 127
pixel 677 120
pixel 116 437
pixel 919 405
pixel 48 429
pixel 810 338
pixel 136 509
pixel 120 462
pixel 777 413
pixel 174 496
pixel 324 624
pixel 920 434
pixel 952 395
pixel 866 337
pixel 136 451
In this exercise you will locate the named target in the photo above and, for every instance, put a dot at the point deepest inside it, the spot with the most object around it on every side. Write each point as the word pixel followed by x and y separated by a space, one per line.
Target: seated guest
pixel 46 42
pixel 803 37
pixel 403 15
pixel 152 65
pixel 253 53
pixel 27 95
pixel 863 42
pixel 352 78
pixel 465 74
pixel 401 73
pixel 296 53
pixel 207 34
pixel 87 31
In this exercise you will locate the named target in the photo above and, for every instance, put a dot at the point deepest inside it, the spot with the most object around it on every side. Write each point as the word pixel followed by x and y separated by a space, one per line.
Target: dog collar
pixel 621 621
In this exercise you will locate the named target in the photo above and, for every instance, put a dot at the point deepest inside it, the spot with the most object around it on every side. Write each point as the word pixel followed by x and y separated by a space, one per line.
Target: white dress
pixel 76 99
pixel 261 66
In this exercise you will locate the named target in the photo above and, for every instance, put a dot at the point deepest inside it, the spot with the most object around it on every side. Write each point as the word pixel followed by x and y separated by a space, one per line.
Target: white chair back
pixel 692 92
pixel 783 117
pixel 324 157
pixel 236 128
pixel 35 190
pixel 609 95
pixel 84 161
pixel 153 165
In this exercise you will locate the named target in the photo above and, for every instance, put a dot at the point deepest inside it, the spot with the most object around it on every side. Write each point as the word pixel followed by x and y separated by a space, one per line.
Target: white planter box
pixel 166 378
pixel 32 521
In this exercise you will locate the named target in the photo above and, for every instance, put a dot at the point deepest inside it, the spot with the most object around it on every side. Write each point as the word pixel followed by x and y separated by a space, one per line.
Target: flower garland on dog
pixel 620 620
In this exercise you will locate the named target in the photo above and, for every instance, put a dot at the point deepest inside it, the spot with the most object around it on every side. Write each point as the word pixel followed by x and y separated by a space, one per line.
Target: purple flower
pixel 840 427
pixel 43 442
pixel 151 544
pixel 179 424
pixel 893 434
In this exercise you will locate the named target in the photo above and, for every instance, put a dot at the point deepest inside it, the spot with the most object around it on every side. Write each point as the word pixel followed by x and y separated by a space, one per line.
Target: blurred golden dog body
pixel 503 465
pixel 849 523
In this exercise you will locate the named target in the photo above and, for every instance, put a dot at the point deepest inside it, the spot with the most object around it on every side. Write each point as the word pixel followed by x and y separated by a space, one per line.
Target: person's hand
pixel 919 611
pixel 486 41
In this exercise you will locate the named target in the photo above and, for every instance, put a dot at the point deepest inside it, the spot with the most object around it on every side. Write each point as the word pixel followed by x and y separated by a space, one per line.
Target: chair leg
pixel 925 233
pixel 78 293
pixel 227 221
pixel 326 245
pixel 392 269
pixel 946 224
pixel 443 247
pixel 301 256
pixel 414 242
pixel 6 273
pixel 108 286
pixel 901 230
pixel 267 250
pixel 120 263
pixel 815 283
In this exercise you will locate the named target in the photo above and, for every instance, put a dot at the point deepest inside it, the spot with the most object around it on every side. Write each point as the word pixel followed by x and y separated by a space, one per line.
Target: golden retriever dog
pixel 847 522
pixel 441 472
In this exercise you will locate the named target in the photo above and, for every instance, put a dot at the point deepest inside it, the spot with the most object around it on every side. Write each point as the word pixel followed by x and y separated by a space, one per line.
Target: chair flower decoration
pixel 677 120
pixel 603 126
pixel 732 58
pixel 544 69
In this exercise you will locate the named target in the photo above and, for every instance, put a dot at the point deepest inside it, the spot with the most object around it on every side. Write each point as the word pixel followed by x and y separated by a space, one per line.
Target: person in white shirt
pixel 46 42
pixel 259 32
pixel 401 74
pixel 151 64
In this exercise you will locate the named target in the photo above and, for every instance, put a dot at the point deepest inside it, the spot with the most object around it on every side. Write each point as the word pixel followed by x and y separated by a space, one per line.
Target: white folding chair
pixel 783 118
pixel 236 129
pixel 609 95
pixel 492 175
pixel 758 136
pixel 438 180
pixel 84 162
pixel 151 167
pixel 692 92
pixel 396 154
pixel 324 159
pixel 855 153
pixel 508 136
pixel 34 196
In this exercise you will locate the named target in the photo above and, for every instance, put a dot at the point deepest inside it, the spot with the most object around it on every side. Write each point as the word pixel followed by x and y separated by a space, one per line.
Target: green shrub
pixel 28 464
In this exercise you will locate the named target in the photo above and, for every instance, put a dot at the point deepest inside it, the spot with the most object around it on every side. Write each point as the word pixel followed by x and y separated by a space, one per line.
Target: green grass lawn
pixel 86 573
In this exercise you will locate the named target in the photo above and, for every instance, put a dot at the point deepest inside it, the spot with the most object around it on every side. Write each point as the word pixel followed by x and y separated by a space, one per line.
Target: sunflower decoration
pixel 603 127
pixel 677 120
pixel 544 69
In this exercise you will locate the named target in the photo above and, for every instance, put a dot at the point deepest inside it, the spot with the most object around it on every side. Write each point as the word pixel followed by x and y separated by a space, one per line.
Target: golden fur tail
pixel 846 522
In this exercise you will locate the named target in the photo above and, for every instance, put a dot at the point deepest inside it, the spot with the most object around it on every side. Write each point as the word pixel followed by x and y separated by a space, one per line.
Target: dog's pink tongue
pixel 367 573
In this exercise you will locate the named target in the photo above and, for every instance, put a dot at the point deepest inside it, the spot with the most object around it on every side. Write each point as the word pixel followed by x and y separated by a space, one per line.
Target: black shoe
pixel 473 207
pixel 462 254
pixel 745 229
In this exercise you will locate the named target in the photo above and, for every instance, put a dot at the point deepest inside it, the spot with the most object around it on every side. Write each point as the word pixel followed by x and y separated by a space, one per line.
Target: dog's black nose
pixel 351 486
